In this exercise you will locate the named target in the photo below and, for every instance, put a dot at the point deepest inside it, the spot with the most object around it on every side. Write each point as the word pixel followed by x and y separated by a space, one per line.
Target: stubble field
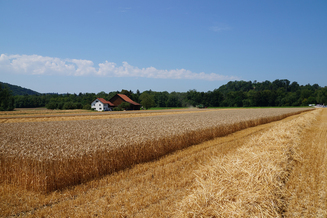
pixel 38 158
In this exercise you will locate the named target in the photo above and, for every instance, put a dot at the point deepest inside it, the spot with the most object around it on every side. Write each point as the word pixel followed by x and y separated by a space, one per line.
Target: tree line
pixel 233 94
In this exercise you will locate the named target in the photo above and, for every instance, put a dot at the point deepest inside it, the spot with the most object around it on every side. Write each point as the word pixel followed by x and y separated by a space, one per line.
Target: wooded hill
pixel 232 94
pixel 17 90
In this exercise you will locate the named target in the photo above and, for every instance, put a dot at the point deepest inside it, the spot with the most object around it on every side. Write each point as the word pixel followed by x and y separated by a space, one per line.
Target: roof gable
pixel 106 102
pixel 127 99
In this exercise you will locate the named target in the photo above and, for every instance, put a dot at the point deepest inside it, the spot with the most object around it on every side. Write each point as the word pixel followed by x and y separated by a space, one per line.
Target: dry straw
pixel 249 182
pixel 47 156
pixel 306 189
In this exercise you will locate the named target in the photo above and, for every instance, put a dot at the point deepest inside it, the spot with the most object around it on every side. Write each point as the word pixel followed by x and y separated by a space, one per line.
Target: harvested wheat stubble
pixel 306 194
pixel 249 182
pixel 47 156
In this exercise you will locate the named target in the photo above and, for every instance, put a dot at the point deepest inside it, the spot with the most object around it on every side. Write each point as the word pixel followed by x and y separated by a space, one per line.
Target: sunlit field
pixel 202 163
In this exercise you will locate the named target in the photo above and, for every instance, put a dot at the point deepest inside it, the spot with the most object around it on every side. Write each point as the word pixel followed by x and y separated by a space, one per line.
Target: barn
pixel 120 98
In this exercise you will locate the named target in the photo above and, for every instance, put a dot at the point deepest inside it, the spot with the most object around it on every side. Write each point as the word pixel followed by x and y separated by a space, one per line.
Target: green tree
pixel 51 105
pixel 124 106
pixel 68 106
pixel 127 93
pixel 322 96
pixel 161 98
pixel 173 100
pixel 7 102
pixel 147 100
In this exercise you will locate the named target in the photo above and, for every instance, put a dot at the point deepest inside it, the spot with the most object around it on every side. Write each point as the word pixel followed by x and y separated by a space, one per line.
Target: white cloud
pixel 35 64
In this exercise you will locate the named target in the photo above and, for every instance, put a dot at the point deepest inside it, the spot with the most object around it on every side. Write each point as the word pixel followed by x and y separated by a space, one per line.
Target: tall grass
pixel 47 156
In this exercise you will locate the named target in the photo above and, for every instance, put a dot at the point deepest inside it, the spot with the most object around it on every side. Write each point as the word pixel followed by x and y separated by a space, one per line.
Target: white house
pixel 100 104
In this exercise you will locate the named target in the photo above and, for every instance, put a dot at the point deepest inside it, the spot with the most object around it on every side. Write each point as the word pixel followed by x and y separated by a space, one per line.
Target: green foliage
pixel 147 100
pixel 322 96
pixel 233 94
pixel 17 90
pixel 7 102
pixel 68 106
pixel 51 106
pixel 117 109
pixel 87 107
pixel 124 106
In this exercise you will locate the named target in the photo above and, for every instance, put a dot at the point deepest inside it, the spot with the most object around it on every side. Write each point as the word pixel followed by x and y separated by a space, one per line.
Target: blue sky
pixel 92 46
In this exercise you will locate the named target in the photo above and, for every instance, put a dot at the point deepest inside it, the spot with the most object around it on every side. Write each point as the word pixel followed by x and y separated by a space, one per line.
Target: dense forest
pixel 232 94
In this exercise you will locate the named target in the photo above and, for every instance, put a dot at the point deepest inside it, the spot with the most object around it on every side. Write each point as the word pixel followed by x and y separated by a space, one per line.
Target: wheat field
pixel 47 156
pixel 275 169
pixel 53 115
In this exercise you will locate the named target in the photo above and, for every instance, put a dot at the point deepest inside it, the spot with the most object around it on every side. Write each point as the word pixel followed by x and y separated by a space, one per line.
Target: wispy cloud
pixel 39 65
pixel 123 10
pixel 219 28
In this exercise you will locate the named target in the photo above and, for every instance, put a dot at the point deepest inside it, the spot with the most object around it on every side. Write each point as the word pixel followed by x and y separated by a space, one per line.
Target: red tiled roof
pixel 127 99
pixel 106 102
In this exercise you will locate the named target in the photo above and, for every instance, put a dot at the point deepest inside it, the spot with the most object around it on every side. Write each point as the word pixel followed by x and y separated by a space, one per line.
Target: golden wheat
pixel 150 189
pixel 46 156
pixel 78 115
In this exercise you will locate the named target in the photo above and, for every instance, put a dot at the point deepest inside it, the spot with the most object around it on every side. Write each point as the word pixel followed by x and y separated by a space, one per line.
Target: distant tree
pixel 51 105
pixel 173 100
pixel 127 93
pixel 7 102
pixel 124 106
pixel 78 105
pixel 87 107
pixel 161 98
pixel 311 100
pixel 294 87
pixel 322 96
pixel 102 94
pixel 147 100
pixel 69 106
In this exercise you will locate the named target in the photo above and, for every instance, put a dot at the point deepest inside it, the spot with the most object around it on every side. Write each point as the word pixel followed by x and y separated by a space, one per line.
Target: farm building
pixel 100 104
pixel 120 98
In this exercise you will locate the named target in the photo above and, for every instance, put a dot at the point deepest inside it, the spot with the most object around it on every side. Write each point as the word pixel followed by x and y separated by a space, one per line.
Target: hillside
pixel 17 90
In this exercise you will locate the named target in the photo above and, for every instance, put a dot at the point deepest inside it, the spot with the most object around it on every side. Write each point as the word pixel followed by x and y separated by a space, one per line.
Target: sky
pixel 164 45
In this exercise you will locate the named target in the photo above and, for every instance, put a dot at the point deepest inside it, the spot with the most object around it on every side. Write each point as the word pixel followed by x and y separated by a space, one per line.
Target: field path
pixel 145 190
